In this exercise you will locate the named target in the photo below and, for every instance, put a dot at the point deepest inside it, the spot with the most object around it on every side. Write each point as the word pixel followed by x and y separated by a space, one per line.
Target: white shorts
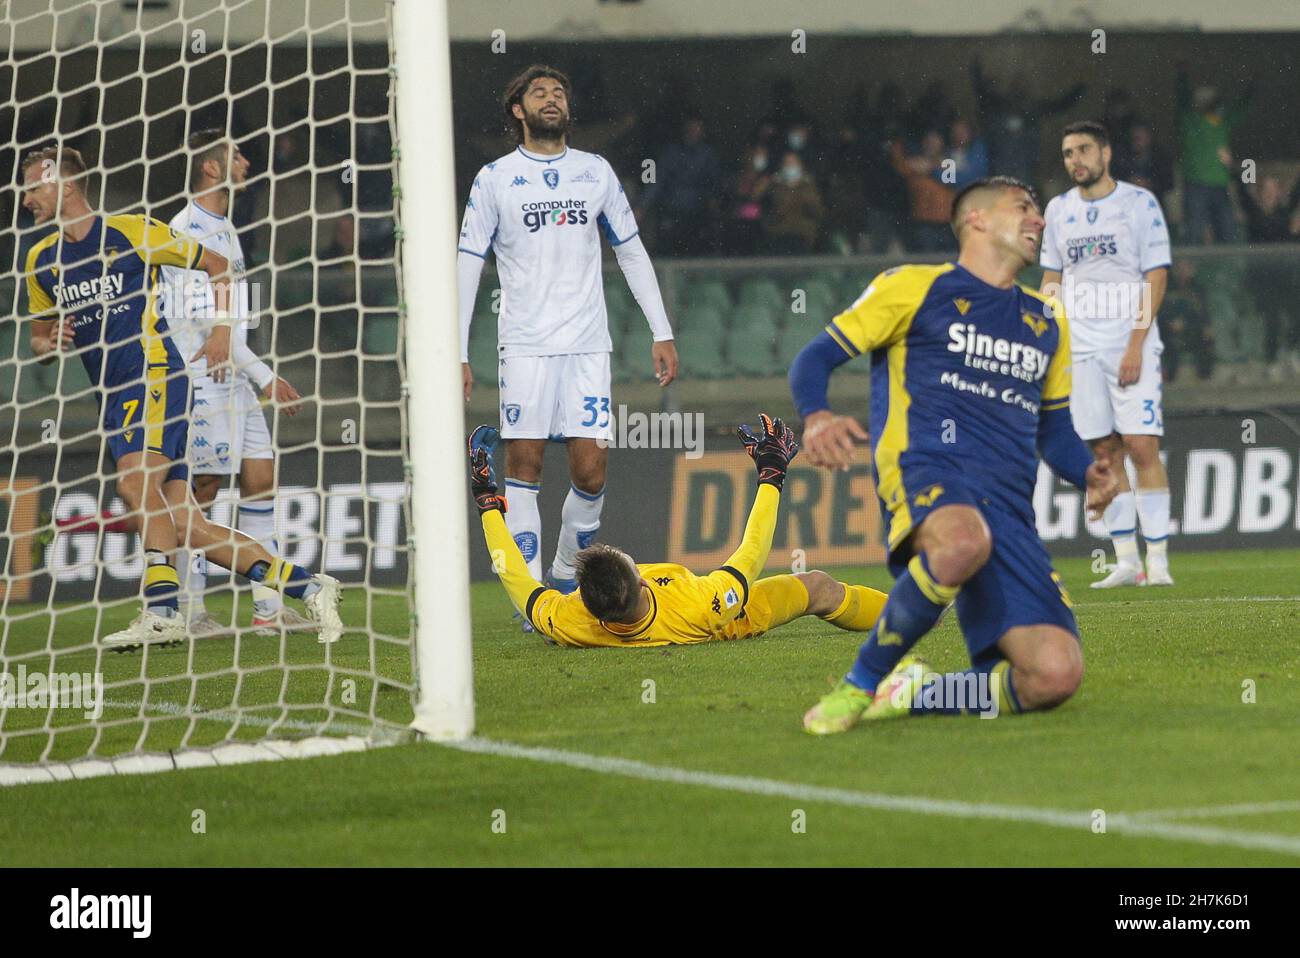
pixel 553 397
pixel 1100 406
pixel 226 427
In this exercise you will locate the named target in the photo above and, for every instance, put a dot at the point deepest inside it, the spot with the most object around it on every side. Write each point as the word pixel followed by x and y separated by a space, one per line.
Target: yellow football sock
pixel 859 610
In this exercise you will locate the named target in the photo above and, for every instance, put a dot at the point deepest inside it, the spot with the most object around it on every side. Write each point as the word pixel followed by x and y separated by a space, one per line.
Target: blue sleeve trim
pixel 603 222
pixel 810 373
pixel 482 255
pixel 1061 447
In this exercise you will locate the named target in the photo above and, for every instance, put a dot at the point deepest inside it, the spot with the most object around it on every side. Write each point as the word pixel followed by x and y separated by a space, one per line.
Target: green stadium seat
pixel 379 335
pixel 763 292
pixel 702 353
pixel 704 318
pixel 709 292
pixel 752 356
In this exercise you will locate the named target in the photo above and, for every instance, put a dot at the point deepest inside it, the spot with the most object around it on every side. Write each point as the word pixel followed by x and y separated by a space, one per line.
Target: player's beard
pixel 1091 178
pixel 542 128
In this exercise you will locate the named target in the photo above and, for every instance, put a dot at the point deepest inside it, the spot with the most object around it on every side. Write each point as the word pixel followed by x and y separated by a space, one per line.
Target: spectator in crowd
pixel 845 185
pixel 795 213
pixel 1119 116
pixel 1012 119
pixel 1271 217
pixel 1143 163
pixel 1270 213
pixel 744 227
pixel 683 198
pixel 929 198
pixel 933 109
pixel 885 190
pixel 1205 130
pixel 1184 325
pixel 969 154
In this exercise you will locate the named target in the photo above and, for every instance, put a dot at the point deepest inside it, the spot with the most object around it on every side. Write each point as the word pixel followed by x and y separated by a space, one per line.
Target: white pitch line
pixel 1157 603
pixel 914 804
pixel 1220 811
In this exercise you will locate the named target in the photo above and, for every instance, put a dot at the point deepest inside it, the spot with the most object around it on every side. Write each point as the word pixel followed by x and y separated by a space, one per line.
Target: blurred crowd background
pixel 769 187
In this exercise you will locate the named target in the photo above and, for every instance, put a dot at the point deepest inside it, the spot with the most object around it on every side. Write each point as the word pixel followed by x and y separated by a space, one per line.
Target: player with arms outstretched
pixel 1108 241
pixel 970 383
pixel 227 434
pixel 92 287
pixel 542 209
pixel 622 604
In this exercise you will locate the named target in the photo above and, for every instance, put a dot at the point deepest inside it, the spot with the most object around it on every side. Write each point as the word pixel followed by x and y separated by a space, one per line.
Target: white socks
pixel 1120 518
pixel 257 521
pixel 192 570
pixel 581 522
pixel 1153 513
pixel 524 520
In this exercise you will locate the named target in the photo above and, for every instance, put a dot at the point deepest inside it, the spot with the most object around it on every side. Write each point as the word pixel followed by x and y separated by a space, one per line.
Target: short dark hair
pixel 970 192
pixel 71 164
pixel 516 89
pixel 211 144
pixel 1093 128
pixel 608 582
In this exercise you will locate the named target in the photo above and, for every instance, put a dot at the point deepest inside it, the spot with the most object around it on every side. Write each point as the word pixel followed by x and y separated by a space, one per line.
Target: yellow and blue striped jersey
pixel 960 373
pixel 107 284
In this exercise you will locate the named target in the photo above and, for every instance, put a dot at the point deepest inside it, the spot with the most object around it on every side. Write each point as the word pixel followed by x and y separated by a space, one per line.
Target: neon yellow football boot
pixel 894 694
pixel 838 711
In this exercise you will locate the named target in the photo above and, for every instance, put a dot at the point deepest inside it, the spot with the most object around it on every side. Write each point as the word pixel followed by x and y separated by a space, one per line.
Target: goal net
pixel 308 91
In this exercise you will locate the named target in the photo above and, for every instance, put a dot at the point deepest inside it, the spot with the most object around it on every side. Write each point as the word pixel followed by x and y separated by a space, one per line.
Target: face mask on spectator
pixel 796 139
pixel 792 174
pixel 760 162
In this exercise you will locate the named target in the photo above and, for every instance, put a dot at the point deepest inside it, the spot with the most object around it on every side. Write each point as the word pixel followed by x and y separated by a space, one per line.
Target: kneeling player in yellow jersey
pixel 619 603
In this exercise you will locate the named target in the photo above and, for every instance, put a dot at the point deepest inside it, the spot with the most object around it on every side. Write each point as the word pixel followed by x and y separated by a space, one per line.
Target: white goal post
pixel 348 222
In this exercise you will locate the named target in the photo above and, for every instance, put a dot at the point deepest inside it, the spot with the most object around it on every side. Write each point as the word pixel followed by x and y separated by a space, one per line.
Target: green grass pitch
pixel 1159 724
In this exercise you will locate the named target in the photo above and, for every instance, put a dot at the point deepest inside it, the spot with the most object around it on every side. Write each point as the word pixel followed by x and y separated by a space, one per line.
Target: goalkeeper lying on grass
pixel 620 603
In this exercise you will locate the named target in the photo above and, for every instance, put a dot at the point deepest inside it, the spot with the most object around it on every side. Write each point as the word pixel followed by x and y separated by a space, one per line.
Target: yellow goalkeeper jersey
pixel 685 608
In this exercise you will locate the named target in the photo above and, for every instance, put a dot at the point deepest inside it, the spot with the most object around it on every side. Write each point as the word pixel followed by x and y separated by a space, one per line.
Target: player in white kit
pixel 227 431
pixel 1106 256
pixel 541 210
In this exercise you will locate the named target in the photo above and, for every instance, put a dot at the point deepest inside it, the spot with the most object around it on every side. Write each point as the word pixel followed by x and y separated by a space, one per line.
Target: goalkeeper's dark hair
pixel 516 89
pixel 979 190
pixel 212 144
pixel 1092 128
pixel 608 582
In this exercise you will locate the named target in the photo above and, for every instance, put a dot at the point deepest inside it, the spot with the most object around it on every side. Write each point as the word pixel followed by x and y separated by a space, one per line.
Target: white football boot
pixel 1121 575
pixel 147 628
pixel 1158 572
pixel 203 626
pixel 286 619
pixel 323 608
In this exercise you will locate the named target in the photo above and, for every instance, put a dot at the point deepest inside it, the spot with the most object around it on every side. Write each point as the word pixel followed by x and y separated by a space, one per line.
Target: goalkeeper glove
pixel 772 448
pixel 482 479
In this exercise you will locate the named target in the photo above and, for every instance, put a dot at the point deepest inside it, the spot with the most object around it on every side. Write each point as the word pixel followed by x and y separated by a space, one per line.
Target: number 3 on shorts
pixel 589 404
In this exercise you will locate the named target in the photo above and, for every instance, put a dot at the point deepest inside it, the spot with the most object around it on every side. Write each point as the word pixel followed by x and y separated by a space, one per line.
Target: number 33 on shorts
pixel 1151 413
pixel 595 406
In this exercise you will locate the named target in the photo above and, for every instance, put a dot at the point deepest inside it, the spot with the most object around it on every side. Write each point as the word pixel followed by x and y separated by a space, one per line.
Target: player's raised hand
pixel 772 447
pixel 281 392
pixel 216 351
pixel 482 477
pixel 830 440
pixel 663 359
pixel 1102 488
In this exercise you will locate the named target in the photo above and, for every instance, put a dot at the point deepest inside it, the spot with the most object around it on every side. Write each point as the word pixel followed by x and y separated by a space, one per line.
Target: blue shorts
pixel 1017 586
pixel 150 416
